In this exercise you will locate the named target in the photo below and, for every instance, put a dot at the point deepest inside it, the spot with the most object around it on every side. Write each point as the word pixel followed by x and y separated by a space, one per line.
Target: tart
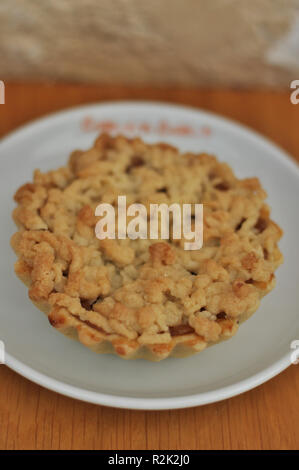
pixel 144 298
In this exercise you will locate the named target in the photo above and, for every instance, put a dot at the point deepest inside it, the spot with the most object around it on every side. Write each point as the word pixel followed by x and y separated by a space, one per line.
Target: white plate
pixel 261 348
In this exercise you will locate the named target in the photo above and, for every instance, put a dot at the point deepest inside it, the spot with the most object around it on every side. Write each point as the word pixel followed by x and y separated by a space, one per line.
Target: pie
pixel 144 298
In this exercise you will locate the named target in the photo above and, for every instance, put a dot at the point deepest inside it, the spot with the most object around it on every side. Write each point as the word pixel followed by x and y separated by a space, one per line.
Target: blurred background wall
pixel 184 42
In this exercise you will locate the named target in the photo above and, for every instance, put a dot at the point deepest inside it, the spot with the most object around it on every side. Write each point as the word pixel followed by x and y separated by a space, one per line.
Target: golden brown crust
pixel 144 298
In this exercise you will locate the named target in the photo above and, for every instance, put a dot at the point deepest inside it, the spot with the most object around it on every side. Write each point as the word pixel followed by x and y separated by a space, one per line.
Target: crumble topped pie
pixel 144 298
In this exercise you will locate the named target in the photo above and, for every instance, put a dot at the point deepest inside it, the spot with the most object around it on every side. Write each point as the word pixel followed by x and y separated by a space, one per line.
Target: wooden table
pixel 32 417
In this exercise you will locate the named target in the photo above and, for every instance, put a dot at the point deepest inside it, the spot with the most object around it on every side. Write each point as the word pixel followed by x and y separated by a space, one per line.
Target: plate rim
pixel 163 403
pixel 160 403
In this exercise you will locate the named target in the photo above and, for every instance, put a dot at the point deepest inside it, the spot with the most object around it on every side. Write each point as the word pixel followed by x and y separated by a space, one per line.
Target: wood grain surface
pixel 267 417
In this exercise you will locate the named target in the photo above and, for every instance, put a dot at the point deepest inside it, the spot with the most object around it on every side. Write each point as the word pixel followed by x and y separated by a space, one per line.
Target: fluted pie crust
pixel 144 298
